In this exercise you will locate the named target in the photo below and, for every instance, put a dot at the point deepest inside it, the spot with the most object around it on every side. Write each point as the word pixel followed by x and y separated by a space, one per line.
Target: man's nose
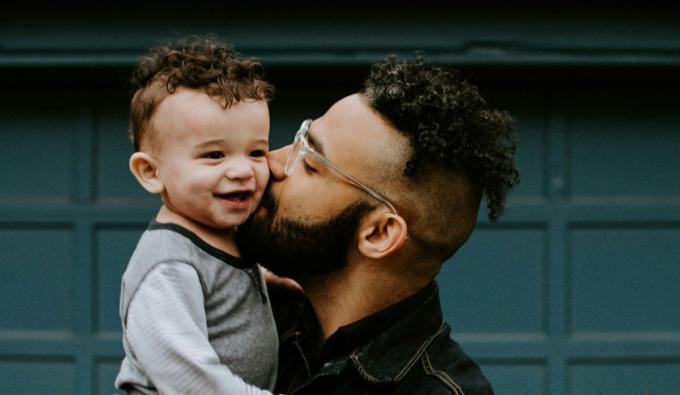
pixel 277 162
pixel 239 170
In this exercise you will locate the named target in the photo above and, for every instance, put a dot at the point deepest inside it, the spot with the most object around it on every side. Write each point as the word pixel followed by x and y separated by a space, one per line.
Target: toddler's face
pixel 212 161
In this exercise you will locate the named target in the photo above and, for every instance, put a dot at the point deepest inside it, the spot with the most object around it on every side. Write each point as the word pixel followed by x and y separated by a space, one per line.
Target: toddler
pixel 196 317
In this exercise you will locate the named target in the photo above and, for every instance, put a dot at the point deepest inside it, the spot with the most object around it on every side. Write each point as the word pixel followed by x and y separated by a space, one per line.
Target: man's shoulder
pixel 450 370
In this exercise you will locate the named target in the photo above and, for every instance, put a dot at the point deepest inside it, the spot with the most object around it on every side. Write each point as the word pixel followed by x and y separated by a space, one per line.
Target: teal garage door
pixel 574 292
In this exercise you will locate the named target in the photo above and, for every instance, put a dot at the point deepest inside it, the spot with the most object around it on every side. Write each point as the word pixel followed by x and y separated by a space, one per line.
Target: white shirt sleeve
pixel 168 336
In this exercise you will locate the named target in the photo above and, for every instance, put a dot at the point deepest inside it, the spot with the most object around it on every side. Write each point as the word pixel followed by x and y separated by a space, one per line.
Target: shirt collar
pixel 350 337
pixel 382 347
pixel 389 355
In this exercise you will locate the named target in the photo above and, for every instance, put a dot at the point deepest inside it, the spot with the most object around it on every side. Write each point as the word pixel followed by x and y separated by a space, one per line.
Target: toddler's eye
pixel 214 155
pixel 258 153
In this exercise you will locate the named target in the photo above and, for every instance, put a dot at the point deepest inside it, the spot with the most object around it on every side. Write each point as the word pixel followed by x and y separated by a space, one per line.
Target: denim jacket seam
pixel 423 347
pixel 304 358
pixel 441 375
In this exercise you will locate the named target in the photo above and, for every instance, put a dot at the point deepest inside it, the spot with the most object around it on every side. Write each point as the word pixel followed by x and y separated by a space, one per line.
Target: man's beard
pixel 297 250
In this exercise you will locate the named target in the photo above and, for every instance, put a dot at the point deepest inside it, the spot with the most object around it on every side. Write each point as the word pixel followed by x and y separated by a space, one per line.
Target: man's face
pixel 307 221
pixel 211 160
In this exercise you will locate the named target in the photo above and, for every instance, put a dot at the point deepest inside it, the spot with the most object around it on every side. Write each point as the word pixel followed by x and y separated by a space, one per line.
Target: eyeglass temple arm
pixel 352 179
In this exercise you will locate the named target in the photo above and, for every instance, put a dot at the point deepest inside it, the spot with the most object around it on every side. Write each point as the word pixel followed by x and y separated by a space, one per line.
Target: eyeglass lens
pixel 294 154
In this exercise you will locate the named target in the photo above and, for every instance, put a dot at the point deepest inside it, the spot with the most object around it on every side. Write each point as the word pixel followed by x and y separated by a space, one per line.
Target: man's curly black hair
pixel 448 123
pixel 195 62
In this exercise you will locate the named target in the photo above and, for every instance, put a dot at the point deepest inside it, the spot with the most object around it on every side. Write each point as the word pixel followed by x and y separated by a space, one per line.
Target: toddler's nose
pixel 239 170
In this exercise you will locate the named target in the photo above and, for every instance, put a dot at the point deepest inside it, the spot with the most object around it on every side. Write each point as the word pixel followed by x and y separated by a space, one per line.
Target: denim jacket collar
pixel 390 355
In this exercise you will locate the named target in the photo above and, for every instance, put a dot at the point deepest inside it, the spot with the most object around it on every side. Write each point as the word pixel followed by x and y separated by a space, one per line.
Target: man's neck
pixel 344 297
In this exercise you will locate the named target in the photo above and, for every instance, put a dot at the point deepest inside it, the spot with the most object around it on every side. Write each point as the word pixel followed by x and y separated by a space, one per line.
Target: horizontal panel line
pixel 512 360
pixel 535 213
pixel 626 201
pixel 625 337
pixel 512 350
pixel 647 344
pixel 575 213
pixel 29 345
pixel 581 338
pixel 502 338
pixel 364 56
pixel 499 347
pixel 94 213
pixel 37 335
pixel 624 360
pixel 42 358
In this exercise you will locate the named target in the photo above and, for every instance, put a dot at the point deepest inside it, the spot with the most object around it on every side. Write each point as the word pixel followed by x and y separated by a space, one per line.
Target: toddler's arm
pixel 167 333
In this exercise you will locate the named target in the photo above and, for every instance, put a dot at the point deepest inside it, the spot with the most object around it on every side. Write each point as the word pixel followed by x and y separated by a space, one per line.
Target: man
pixel 362 210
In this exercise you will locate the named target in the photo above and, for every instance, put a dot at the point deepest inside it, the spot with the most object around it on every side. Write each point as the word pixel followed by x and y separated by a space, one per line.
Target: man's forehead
pixel 345 123
pixel 353 132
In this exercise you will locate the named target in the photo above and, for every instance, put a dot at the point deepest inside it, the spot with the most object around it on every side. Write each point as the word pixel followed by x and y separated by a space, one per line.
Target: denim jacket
pixel 411 354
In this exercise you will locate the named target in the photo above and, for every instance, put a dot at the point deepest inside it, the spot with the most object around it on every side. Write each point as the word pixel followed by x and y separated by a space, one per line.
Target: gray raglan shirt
pixel 196 320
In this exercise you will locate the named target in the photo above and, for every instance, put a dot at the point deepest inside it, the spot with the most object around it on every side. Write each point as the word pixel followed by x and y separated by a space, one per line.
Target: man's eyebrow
pixel 316 144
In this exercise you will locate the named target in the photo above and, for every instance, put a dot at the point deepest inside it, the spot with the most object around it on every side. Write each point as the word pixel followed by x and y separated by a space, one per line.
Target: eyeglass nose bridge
pixel 294 155
pixel 298 149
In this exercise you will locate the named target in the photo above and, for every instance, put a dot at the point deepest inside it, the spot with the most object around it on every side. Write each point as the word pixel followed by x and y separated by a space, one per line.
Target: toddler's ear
pixel 145 170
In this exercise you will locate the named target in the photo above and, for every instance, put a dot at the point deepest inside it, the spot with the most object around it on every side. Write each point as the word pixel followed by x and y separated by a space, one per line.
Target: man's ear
pixel 382 234
pixel 145 169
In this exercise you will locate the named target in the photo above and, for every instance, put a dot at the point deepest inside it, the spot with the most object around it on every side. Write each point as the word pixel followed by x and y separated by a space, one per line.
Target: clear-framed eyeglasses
pixel 301 148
